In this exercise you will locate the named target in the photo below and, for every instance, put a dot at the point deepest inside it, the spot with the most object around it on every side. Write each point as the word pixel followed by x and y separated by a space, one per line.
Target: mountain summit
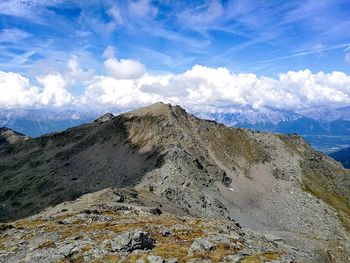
pixel 274 185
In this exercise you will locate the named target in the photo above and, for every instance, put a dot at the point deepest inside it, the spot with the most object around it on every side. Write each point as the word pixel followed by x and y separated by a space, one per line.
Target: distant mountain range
pixel 326 129
pixel 36 122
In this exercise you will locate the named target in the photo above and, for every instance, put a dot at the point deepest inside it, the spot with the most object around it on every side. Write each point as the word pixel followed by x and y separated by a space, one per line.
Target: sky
pixel 102 54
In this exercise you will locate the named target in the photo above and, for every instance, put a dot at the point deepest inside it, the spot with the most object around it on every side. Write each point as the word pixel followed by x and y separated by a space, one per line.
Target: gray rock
pixel 67 249
pixel 42 256
pixel 201 245
pixel 131 241
pixel 172 260
pixel 166 232
pixel 156 259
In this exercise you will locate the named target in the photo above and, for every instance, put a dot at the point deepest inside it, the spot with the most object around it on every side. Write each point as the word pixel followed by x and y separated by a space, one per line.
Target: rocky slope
pixel 274 185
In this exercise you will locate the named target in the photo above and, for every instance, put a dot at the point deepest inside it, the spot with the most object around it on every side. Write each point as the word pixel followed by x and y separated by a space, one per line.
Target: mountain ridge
pixel 269 183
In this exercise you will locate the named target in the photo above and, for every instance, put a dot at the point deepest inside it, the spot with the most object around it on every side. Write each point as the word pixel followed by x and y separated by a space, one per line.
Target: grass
pixel 262 257
pixel 47 244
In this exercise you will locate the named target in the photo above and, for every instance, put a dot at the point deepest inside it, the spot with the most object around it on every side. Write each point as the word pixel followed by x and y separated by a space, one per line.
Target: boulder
pixel 130 241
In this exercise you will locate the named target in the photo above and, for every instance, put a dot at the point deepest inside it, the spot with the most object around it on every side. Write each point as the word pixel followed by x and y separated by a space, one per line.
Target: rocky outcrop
pixel 130 241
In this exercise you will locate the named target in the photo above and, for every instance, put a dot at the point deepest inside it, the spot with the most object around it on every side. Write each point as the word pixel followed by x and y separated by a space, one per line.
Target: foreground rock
pixel 99 228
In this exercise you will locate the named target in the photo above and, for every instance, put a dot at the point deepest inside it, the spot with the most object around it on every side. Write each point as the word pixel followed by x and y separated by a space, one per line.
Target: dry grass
pixel 262 257
pixel 47 244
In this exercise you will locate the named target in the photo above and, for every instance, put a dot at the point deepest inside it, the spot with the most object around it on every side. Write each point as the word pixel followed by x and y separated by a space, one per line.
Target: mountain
pixel 342 156
pixel 8 136
pixel 162 169
pixel 36 122
pixel 326 113
pixel 234 115
pixel 326 129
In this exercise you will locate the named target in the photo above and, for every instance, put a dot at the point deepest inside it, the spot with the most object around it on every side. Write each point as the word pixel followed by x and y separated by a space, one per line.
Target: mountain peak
pixel 8 136
pixel 159 109
pixel 106 117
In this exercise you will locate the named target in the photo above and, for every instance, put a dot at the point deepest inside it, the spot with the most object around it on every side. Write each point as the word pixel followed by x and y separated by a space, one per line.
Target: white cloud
pixel 202 15
pixel 347 57
pixel 76 74
pixel 13 35
pixel 109 52
pixel 142 8
pixel 115 13
pixel 54 92
pixel 124 68
pixel 111 92
pixel 200 87
pixel 16 91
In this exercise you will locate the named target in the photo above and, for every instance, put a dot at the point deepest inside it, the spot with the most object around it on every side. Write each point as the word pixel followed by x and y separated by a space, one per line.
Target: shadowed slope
pixel 50 169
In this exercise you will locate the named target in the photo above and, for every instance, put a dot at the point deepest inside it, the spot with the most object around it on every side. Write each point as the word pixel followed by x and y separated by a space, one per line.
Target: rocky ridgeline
pixel 291 202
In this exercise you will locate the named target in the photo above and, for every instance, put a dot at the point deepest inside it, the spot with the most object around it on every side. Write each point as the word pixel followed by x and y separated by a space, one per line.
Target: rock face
pixel 274 185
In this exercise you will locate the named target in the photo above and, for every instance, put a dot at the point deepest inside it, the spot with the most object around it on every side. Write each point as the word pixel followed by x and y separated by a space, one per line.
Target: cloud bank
pixel 127 84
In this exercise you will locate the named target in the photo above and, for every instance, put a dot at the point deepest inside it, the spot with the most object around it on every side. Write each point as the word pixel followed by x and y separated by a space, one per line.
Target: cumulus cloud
pixel 76 74
pixel 17 91
pixel 54 92
pixel 111 92
pixel 124 68
pixel 198 87
pixel 202 86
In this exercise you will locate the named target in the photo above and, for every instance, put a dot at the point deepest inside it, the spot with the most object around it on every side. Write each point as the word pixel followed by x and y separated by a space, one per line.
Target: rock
pixel 4 227
pixel 236 258
pixel 201 245
pixel 199 260
pixel 131 241
pixel 42 256
pixel 67 249
pixel 166 232
pixel 226 181
pixel 156 211
pixel 118 197
pixel 106 117
pixel 156 259
pixel 172 260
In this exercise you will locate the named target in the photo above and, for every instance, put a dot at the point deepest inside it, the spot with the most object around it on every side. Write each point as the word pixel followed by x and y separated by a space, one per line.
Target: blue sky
pixel 264 38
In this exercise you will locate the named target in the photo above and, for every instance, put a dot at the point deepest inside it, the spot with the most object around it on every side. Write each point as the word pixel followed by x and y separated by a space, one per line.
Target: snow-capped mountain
pixel 233 115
